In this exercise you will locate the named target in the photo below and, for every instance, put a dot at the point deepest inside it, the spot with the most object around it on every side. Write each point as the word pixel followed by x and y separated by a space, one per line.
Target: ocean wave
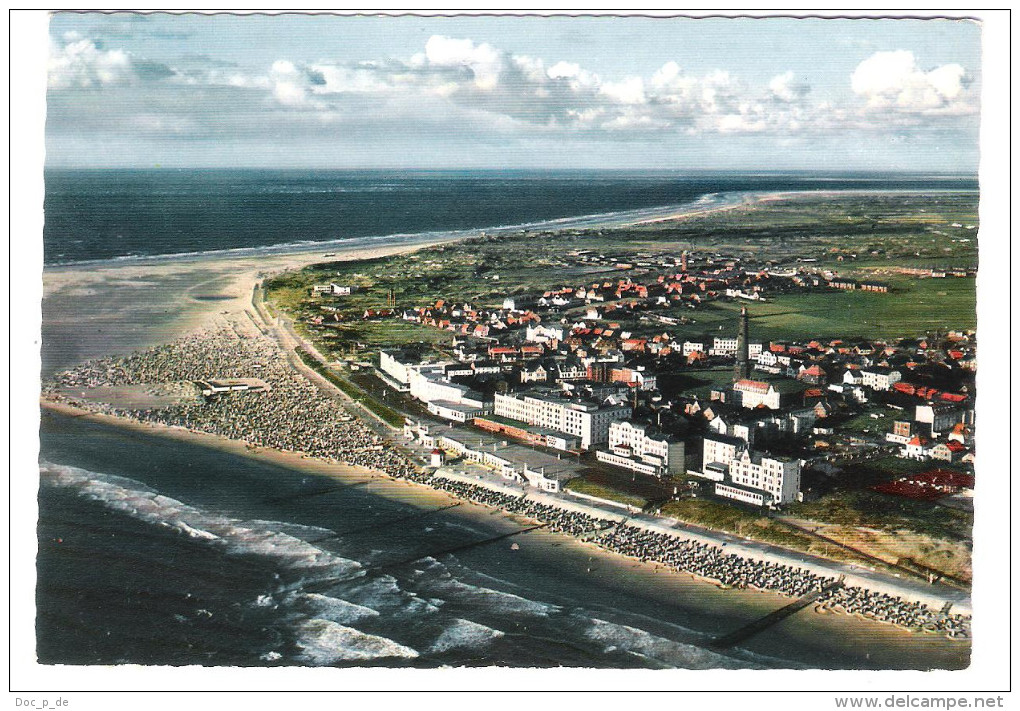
pixel 666 652
pixel 488 599
pixel 385 595
pixel 236 537
pixel 465 634
pixel 324 642
pixel 332 608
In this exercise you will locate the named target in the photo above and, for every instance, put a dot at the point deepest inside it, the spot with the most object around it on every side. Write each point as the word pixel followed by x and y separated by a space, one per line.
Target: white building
pixel 728 347
pixel 853 377
pixel 723 346
pixel 335 289
pixel 570 370
pixel 543 334
pixel 455 412
pixel 631 447
pixel 748 475
pixel 942 418
pixel 588 421
pixel 693 347
pixel 879 378
pixel 397 366
pixel 753 393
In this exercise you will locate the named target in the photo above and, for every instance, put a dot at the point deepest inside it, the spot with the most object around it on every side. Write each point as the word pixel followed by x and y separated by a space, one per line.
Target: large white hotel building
pixel 587 421
pixel 750 476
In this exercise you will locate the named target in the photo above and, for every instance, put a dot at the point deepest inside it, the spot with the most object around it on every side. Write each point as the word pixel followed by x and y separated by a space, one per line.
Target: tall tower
pixel 683 261
pixel 741 368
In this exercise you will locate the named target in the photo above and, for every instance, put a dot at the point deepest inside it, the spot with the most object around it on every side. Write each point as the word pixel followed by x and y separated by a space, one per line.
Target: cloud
pixel 784 88
pixel 457 82
pixel 892 81
pixel 83 63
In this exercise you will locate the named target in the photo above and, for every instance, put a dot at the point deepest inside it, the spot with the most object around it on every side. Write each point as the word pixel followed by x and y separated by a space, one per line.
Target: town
pixel 651 378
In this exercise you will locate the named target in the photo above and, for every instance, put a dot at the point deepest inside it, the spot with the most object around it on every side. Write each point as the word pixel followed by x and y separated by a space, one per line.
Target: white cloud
pixel 893 81
pixel 785 88
pixel 629 91
pixel 515 93
pixel 484 61
pixel 82 63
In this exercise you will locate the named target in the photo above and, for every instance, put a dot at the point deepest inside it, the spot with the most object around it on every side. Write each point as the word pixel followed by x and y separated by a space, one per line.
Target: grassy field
pixel 584 486
pixel 921 305
pixel 870 509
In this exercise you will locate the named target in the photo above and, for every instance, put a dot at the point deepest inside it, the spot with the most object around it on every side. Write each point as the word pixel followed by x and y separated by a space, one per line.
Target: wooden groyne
pixel 760 625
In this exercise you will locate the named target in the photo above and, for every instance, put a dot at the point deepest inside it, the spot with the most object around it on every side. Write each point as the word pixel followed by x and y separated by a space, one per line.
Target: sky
pixel 413 92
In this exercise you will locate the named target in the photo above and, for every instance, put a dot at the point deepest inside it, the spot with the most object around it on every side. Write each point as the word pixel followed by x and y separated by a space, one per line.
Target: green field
pixel 861 236
pixel 923 305
pixel 584 486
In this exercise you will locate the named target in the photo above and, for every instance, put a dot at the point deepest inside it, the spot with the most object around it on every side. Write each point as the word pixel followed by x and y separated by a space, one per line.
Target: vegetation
pixel 871 509
pixel 584 486
pixel 724 517
pixel 388 414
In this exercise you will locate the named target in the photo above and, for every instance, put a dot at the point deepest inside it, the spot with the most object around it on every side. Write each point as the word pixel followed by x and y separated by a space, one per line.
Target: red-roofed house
pixel 916 448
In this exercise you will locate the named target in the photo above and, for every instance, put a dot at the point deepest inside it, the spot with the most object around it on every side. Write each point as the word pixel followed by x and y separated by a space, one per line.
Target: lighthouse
pixel 742 369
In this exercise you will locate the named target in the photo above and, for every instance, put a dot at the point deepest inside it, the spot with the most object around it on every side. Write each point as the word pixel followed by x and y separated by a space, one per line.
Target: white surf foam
pixel 465 634
pixel 503 603
pixel 236 537
pixel 665 651
pixel 324 642
pixel 335 609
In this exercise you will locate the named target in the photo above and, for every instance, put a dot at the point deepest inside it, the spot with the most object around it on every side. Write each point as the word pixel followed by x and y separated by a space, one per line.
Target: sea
pixel 157 552
pixel 115 214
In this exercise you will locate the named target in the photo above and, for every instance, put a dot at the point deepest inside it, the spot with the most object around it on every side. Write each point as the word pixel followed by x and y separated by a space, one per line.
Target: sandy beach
pixel 115 307
pixel 826 640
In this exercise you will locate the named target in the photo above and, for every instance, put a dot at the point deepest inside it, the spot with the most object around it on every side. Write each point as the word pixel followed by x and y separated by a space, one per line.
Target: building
pixel 754 393
pixel 723 346
pixel 902 432
pixel 631 446
pixel 941 418
pixel 397 366
pixel 543 334
pixel 879 378
pixel 635 377
pixel 916 448
pixel 454 411
pixel 588 421
pixel 546 472
pixel 951 451
pixel 744 474
pixel 335 289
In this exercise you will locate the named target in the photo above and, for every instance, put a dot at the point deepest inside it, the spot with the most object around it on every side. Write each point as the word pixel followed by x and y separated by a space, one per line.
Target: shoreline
pixel 709 602
pixel 618 219
pixel 337 470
